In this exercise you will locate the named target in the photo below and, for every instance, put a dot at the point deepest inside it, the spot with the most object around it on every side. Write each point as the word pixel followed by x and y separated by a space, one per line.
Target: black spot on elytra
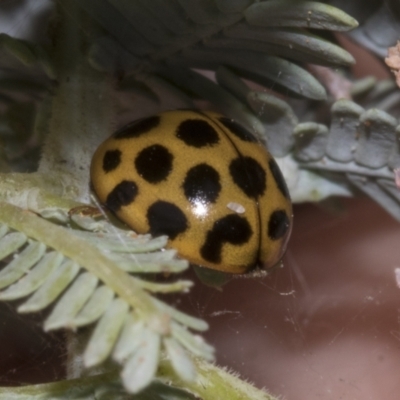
pixel 111 160
pixel 166 219
pixel 280 181
pixel 137 128
pixel 238 130
pixel 197 133
pixel 122 195
pixel 249 175
pixel 202 184
pixel 154 163
pixel 278 224
pixel 232 229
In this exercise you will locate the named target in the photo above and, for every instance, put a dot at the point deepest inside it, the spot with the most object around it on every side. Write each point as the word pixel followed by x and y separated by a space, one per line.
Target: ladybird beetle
pixel 203 180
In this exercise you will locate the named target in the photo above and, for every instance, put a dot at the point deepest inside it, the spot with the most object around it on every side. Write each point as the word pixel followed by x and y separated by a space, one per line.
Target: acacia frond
pixel 361 145
pixel 75 272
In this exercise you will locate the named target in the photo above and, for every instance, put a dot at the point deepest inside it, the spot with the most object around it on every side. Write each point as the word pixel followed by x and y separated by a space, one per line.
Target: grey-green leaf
pixel 231 6
pixel 185 319
pixel 35 278
pixel 18 48
pixel 10 243
pixel 272 72
pixel 228 104
pixel 119 242
pixel 106 333
pixel 21 263
pixel 194 343
pixel 306 14
pixel 3 230
pixel 95 307
pixel 71 302
pixel 141 367
pixel 200 12
pixel 180 361
pixel 143 21
pixel 343 136
pixel 311 139
pixel 377 138
pixel 303 45
pixel 130 339
pixel 52 288
pixel 279 121
pixel 112 20
pixel 170 14
pixel 164 261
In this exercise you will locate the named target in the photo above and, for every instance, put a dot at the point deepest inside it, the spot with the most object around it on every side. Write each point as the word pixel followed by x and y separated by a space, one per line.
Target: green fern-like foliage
pixel 108 61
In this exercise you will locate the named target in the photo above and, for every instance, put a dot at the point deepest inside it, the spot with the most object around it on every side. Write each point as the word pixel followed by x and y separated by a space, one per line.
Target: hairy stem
pixel 82 108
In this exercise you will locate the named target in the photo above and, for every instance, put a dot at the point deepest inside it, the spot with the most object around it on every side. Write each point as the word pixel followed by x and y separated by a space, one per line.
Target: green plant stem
pixel 73 387
pixel 82 109
pixel 214 383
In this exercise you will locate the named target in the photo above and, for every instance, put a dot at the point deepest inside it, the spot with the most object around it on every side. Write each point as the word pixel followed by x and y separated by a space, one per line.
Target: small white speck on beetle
pixel 238 208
